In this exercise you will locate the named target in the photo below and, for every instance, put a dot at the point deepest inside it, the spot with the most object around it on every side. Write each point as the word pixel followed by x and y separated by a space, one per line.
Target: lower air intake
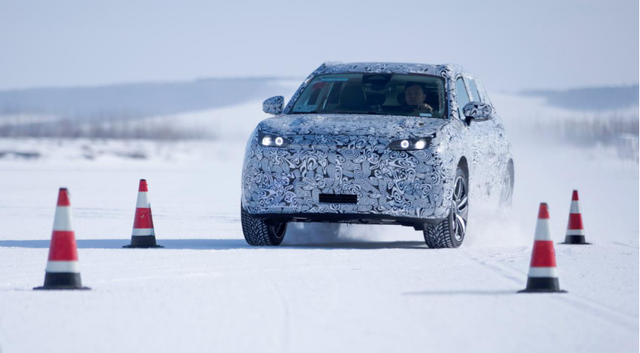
pixel 338 198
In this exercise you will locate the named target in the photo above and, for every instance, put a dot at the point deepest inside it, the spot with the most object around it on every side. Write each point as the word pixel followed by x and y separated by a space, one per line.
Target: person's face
pixel 414 95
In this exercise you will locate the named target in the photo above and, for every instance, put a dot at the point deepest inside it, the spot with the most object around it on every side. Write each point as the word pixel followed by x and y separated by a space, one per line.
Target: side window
pixel 474 90
pixel 463 97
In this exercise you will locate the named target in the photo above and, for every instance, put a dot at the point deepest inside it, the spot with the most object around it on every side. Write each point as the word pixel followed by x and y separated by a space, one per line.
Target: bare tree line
pixel 106 128
pixel 618 132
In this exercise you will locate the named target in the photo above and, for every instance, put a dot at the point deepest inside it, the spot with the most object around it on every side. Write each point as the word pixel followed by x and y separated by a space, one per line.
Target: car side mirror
pixel 273 105
pixel 477 111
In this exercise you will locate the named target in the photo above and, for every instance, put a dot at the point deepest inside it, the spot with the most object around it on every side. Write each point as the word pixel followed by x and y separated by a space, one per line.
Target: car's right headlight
pixel 410 144
pixel 272 140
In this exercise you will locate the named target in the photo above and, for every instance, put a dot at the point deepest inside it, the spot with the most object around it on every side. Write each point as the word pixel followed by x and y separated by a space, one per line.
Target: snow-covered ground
pixel 373 288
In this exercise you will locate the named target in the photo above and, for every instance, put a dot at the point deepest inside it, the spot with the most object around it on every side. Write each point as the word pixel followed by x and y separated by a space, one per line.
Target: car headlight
pixel 271 140
pixel 410 144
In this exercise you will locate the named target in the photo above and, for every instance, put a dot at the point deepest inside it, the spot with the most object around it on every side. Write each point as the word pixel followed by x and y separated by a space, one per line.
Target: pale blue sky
pixel 510 45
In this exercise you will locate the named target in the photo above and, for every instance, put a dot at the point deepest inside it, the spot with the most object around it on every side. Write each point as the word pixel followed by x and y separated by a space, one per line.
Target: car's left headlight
pixel 272 140
pixel 410 144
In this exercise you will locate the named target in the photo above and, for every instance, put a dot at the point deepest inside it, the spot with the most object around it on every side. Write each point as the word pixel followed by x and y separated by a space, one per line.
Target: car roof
pixel 384 67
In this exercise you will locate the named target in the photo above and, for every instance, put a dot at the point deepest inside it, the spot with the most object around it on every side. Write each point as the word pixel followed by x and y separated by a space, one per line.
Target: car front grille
pixel 338 198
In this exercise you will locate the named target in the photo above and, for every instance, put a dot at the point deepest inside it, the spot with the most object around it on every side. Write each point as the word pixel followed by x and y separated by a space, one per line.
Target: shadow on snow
pixel 218 244
pixel 447 293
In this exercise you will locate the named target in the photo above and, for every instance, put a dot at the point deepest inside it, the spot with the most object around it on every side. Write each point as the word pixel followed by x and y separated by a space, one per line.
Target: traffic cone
pixel 575 230
pixel 543 276
pixel 62 267
pixel 143 235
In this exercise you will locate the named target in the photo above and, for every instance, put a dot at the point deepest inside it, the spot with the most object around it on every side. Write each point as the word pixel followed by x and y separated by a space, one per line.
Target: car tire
pixel 450 232
pixel 506 194
pixel 258 233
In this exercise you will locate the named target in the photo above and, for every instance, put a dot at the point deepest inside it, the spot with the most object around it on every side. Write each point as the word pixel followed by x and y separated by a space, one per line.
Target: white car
pixel 376 143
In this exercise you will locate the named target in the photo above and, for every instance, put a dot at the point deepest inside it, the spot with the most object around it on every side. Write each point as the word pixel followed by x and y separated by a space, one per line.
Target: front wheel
pixel 258 233
pixel 450 232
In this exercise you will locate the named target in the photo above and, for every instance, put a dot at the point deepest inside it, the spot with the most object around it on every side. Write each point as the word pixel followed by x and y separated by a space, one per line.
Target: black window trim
pixel 464 82
pixel 472 79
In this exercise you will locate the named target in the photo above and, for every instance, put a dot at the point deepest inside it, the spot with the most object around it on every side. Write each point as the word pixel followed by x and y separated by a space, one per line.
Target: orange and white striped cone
pixel 575 229
pixel 62 267
pixel 143 235
pixel 543 275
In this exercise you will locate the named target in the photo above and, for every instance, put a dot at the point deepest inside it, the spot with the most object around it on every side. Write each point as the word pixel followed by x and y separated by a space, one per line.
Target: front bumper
pixel 358 218
pixel 408 186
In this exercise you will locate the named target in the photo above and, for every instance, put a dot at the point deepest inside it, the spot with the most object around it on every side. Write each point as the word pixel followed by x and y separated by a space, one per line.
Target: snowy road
pixel 371 289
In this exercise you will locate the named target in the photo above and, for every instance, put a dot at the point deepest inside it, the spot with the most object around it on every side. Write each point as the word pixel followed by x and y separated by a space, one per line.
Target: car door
pixel 462 97
pixel 490 135
pixel 480 137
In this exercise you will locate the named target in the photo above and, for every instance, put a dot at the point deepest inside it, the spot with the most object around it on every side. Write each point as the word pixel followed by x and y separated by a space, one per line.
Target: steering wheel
pixel 424 107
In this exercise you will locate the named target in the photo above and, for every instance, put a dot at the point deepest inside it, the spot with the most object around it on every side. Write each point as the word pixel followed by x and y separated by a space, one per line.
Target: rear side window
pixel 474 91
pixel 463 97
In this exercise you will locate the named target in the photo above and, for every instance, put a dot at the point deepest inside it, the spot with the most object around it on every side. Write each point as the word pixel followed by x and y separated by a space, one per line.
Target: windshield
pixel 384 94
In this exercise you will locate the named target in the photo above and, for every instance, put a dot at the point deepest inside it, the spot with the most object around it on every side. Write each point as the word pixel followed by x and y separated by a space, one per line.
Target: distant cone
pixel 143 235
pixel 575 229
pixel 62 270
pixel 543 275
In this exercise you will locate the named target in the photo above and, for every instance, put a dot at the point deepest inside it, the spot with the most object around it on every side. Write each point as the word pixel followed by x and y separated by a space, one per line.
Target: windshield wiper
pixel 343 112
pixel 354 112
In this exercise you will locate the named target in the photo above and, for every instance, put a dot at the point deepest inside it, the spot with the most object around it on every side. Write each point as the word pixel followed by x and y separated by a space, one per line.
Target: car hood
pixel 389 126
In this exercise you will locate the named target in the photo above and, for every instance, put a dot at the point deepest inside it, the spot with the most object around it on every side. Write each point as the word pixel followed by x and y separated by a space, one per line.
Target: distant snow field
pixel 371 288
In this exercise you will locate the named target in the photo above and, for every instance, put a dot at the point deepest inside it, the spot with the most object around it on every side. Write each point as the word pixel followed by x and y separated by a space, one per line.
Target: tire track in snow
pixel 624 319
pixel 625 245
pixel 614 316
pixel 286 315
pixel 492 268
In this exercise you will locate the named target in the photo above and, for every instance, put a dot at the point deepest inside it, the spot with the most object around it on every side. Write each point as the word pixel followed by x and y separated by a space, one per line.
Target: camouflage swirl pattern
pixel 350 154
pixel 273 105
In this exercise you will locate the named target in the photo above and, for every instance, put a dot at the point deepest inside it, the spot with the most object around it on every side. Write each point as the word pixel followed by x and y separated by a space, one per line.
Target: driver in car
pixel 414 96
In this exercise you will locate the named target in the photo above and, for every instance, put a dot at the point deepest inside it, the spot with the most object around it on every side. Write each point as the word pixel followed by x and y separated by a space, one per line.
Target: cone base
pixel 542 285
pixel 62 280
pixel 575 240
pixel 61 288
pixel 541 291
pixel 146 241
